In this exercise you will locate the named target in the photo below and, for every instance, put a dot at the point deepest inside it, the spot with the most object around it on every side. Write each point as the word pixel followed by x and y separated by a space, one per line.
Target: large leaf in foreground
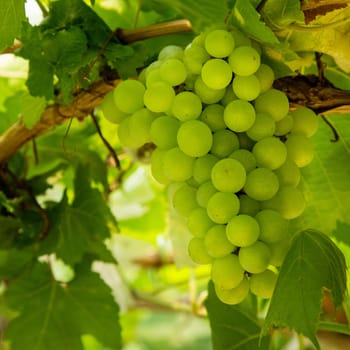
pixel 313 262
pixel 54 316
pixel 233 327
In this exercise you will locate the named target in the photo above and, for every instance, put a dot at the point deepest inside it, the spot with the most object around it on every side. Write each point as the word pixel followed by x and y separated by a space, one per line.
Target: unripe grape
pixel 163 132
pixel 245 157
pixel 207 94
pixel 244 60
pixel 129 95
pixel 270 153
pixel 216 242
pixel 300 149
pixel 263 127
pixel 202 168
pixel 261 184
pixel 159 97
pixel 197 252
pixel 305 121
pixel 177 165
pixel 239 115
pixel 284 126
pixel 219 43
pixel 235 295
pixel 248 206
pixel 186 106
pixel 204 192
pixel 153 76
pixel 289 202
pixel 245 141
pixel 255 258
pixel 170 51
pixel 198 222
pixel 228 175
pixel 194 58
pixel 213 116
pixel 173 71
pixel 273 227
pixel 263 284
pixel 226 272
pixel 242 230
pixel 224 143
pixel 222 206
pixel 139 125
pixel 216 73
pixel 194 138
pixel 266 77
pixel 112 113
pixel 288 174
pixel 274 102
pixel 246 87
pixel 228 97
pixel 157 167
pixel 184 199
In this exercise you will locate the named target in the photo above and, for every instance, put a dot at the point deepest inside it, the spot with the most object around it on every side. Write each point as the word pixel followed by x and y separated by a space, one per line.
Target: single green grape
pixel 177 165
pixel 246 87
pixel 213 116
pixel 194 138
pixel 198 222
pixel 202 167
pixel 284 126
pixel 219 43
pixel 207 94
pixel 129 95
pixel 248 206
pixel 224 143
pixel 139 125
pixel 242 230
pixel 244 60
pixel 123 132
pixel 288 201
pixel 263 284
pixel 263 127
pixel 112 113
pixel 245 157
pixel 273 227
pixel 266 77
pixel 300 149
pixel 288 174
pixel 305 121
pixel 194 58
pixel 270 153
pixel 186 106
pixel 228 175
pixel 170 51
pixel 255 258
pixel 239 115
pixel 184 199
pixel 227 272
pixel 157 167
pixel 153 76
pixel 216 73
pixel 235 295
pixel 273 102
pixel 222 206
pixel 197 252
pixel 216 242
pixel 163 131
pixel 204 192
pixel 159 97
pixel 173 71
pixel 228 97
pixel 261 184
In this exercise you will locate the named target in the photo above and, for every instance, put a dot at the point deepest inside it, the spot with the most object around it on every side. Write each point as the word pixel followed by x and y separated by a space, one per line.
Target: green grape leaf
pixel 11 16
pixel 325 34
pixel 9 228
pixel 82 226
pixel 233 327
pixel 325 182
pixel 313 262
pixel 245 17
pixel 55 316
pixel 31 108
pixel 280 13
pixel 342 233
pixel 14 261
pixel 201 14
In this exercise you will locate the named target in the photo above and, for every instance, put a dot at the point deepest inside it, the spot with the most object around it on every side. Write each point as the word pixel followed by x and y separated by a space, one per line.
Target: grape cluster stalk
pixel 229 150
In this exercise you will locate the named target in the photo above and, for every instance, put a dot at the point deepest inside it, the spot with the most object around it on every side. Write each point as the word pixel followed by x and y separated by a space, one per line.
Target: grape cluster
pixel 230 149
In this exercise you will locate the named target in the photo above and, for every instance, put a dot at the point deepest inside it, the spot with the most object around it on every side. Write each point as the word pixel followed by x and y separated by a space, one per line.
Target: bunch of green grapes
pixel 228 142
